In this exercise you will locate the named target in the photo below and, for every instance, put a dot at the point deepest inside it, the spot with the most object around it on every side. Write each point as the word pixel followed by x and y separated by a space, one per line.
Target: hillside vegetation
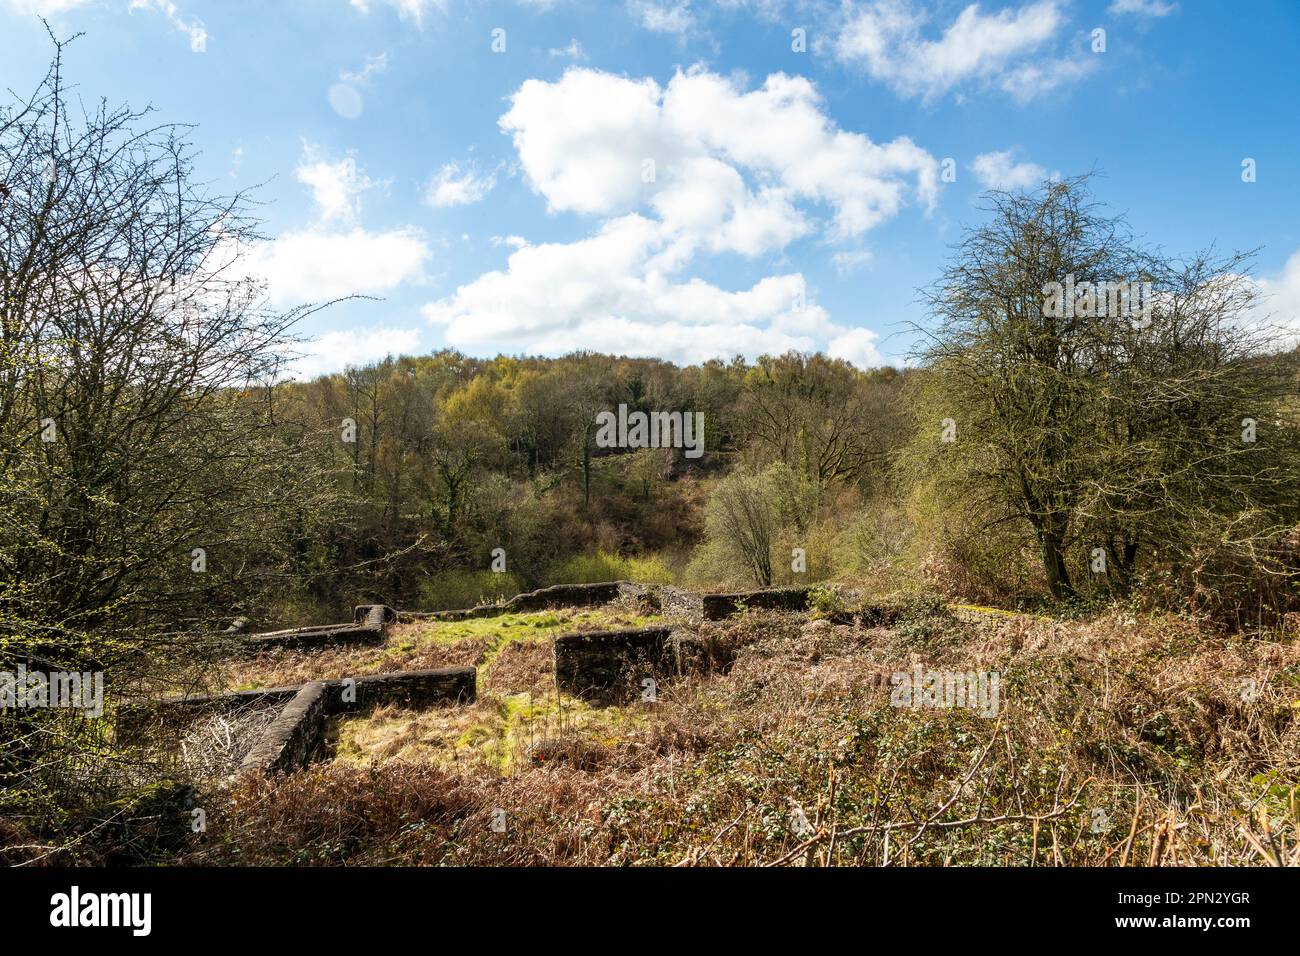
pixel 1124 488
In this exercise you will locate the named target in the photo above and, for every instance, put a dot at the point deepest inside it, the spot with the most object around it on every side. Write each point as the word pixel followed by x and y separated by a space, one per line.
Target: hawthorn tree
pixel 1110 426
pixel 144 485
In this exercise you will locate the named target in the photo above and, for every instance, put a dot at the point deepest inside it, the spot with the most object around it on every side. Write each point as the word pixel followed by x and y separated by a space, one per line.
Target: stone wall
pixel 369 621
pixel 679 602
pixel 294 738
pixel 719 606
pixel 608 667
pixel 444 685
pixel 558 595
pixel 133 721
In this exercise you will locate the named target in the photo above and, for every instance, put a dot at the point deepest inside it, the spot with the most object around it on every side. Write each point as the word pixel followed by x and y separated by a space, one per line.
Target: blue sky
pixel 672 177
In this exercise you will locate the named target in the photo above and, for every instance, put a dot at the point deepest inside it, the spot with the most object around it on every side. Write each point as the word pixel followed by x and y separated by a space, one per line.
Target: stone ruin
pixel 603 667
pixel 294 738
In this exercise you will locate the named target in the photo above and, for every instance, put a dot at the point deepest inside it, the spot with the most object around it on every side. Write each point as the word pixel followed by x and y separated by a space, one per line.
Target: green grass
pixel 533 626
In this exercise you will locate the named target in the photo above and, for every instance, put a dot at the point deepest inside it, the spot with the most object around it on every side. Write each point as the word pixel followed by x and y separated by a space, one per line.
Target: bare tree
pixel 146 488
pixel 820 416
pixel 1097 391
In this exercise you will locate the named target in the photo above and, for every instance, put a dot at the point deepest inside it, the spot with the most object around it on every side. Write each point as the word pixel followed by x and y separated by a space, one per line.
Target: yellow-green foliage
pixel 460 589
pixel 605 566
pixel 533 625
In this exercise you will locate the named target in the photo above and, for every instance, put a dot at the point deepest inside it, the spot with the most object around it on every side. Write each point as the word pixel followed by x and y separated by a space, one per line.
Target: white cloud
pixel 699 167
pixel 314 265
pixel 1032 80
pixel 194 29
pixel 1142 8
pixel 374 65
pixel 857 346
pixel 573 51
pixel 599 293
pixel 334 351
pixel 1280 299
pixel 585 142
pixel 413 10
pixel 1008 48
pixel 850 261
pixel 999 170
pixel 336 257
pixel 458 185
pixel 661 16
pixel 336 186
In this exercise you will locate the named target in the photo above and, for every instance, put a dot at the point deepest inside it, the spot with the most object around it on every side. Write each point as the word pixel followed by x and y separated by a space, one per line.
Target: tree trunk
pixel 1058 576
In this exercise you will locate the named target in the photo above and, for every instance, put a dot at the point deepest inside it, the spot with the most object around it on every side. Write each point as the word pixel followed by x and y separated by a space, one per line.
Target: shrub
pixel 607 566
pixel 453 590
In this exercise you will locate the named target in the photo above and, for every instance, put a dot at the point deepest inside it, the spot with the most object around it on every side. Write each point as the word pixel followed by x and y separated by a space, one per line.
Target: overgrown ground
pixel 1120 740
pixel 511 651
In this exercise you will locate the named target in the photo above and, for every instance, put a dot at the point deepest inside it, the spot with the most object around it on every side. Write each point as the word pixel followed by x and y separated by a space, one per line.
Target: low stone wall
pixel 134 720
pixel 557 595
pixel 567 595
pixel 294 738
pixel 369 622
pixel 608 667
pixel 719 606
pixel 444 685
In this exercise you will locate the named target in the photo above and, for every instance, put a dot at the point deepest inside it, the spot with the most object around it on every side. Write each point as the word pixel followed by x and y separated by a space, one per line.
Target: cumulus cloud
pixel 336 350
pixel 458 185
pixel 1010 49
pixel 1279 301
pixel 857 346
pixel 662 16
pixel 1000 170
pixel 699 167
pixel 336 186
pixel 335 256
pixel 598 293
pixel 593 142
pixel 314 265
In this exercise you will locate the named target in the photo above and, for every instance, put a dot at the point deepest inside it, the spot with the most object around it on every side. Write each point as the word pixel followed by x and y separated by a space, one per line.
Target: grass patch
pixel 498 734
